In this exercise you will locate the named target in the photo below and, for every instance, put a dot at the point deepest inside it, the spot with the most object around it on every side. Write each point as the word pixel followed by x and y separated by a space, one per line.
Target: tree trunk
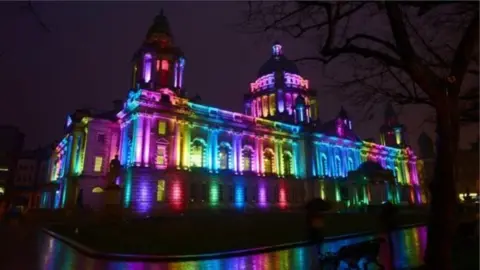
pixel 443 203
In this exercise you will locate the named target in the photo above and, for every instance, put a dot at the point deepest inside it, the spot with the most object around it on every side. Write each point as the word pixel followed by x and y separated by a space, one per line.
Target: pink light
pixel 282 197
pixel 164 65
pixel 176 195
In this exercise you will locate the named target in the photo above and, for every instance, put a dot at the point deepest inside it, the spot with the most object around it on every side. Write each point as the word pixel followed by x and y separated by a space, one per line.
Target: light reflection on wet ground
pixel 45 252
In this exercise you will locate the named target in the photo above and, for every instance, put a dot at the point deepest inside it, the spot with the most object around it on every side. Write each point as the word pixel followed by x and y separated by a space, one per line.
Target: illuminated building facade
pixel 177 154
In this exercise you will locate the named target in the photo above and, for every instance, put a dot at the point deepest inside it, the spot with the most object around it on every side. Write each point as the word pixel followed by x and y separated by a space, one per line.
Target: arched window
pixel 288 102
pixel 272 104
pixel 338 166
pixel 224 156
pixel 254 108
pixel 147 67
pixel 247 158
pixel 265 106
pixel 164 66
pixel 350 164
pixel 287 163
pixel 281 105
pixel 197 153
pixel 97 190
pixel 269 160
pixel 324 164
pixel 259 107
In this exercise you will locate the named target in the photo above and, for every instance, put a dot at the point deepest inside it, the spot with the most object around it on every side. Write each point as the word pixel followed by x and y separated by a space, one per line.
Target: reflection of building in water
pixel 177 153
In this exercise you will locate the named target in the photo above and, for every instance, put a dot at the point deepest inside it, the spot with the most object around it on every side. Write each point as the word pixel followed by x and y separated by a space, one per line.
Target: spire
pixel 343 113
pixel 390 115
pixel 160 26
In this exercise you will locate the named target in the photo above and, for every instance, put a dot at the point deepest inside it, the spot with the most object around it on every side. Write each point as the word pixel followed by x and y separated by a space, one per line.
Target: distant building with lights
pixel 177 154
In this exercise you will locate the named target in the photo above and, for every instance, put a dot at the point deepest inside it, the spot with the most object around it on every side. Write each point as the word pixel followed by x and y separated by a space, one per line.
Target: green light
pixel 213 193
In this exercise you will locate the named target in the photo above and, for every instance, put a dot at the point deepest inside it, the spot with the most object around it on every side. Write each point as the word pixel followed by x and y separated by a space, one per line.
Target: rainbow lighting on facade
pixel 177 154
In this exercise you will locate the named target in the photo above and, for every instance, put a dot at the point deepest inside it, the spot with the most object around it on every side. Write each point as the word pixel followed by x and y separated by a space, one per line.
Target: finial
pixel 277 49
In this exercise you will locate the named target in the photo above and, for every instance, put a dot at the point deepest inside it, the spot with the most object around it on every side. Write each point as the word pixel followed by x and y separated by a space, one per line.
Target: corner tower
pixel 392 133
pixel 279 93
pixel 158 63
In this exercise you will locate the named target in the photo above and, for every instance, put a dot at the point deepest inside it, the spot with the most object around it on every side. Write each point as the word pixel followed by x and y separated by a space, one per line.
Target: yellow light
pixel 98 164
pixel 162 127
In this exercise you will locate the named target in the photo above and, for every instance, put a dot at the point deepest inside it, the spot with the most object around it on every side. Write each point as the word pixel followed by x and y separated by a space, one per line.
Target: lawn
pixel 199 234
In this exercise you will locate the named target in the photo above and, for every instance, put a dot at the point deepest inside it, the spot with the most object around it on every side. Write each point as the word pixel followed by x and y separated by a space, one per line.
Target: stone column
pixel 186 145
pixel 147 146
pixel 139 140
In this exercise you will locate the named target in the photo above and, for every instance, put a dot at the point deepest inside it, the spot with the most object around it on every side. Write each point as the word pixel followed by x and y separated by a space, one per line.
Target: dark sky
pixel 85 62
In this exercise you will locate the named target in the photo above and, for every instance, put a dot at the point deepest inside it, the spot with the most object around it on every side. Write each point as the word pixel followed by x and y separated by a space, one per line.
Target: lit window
pixel 164 65
pixel 324 164
pixel 160 160
pixel 247 156
pixel 97 190
pixel 147 67
pixel 98 164
pixel 223 154
pixel 162 127
pixel 273 104
pixel 268 161
pixel 160 190
pixel 196 155
pixel 265 105
pixel 288 101
pixel 259 107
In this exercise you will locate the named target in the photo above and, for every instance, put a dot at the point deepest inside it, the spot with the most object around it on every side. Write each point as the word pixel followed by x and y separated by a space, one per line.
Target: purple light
pixel 147 67
pixel 277 49
pixel 262 195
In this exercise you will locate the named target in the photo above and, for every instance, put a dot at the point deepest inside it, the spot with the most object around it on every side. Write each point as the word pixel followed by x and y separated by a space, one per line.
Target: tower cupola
pixel 279 93
pixel 392 133
pixel 159 64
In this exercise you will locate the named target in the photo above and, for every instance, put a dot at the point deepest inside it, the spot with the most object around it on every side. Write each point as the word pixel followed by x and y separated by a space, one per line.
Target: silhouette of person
pixel 115 167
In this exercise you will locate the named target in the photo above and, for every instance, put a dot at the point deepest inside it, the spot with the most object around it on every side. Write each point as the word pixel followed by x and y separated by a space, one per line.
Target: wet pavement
pixel 34 250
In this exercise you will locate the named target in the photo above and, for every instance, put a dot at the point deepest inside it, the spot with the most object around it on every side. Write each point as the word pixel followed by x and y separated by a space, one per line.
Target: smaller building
pixel 31 174
pixel 11 144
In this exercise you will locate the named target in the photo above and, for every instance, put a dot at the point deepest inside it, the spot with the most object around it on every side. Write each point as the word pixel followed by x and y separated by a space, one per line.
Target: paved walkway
pixel 29 249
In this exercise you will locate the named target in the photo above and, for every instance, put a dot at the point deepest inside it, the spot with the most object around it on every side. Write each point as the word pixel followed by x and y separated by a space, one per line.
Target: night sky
pixel 85 62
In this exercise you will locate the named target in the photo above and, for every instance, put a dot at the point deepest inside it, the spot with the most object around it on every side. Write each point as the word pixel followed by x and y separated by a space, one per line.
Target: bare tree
pixel 405 52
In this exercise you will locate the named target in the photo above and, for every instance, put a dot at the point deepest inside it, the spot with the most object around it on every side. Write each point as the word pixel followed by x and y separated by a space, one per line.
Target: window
pixel 265 106
pixel 350 164
pixel 98 164
pixel 160 160
pixel 268 160
pixel 247 158
pixel 288 102
pixel 220 193
pixel 259 107
pixel 230 192
pixel 338 165
pixel 204 192
pixel 101 138
pixel 162 127
pixel 287 163
pixel 197 153
pixel 147 67
pixel 160 190
pixel 223 156
pixel 193 191
pixel 324 164
pixel 97 190
pixel 273 104
pixel 165 65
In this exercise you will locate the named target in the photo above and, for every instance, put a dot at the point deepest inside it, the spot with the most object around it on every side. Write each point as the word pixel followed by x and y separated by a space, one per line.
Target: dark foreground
pixel 209 234
pixel 36 250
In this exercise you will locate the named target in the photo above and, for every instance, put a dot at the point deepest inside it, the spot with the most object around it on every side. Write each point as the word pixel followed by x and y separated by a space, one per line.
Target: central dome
pixel 277 62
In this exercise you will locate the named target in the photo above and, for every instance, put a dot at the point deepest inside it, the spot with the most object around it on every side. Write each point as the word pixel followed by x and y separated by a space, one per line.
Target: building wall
pixel 200 156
